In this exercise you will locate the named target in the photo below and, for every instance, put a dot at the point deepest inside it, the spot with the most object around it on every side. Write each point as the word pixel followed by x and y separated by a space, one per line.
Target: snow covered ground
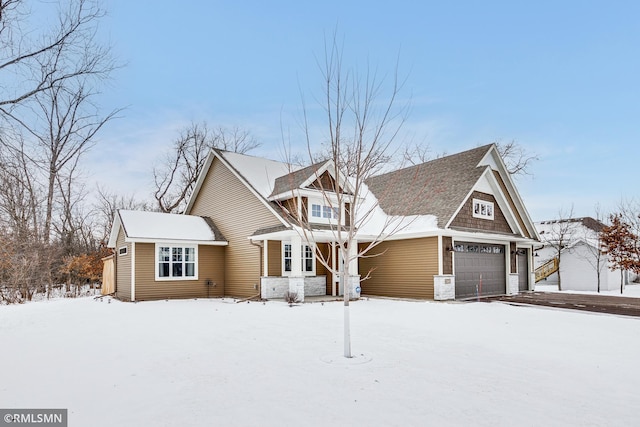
pixel 630 290
pixel 213 362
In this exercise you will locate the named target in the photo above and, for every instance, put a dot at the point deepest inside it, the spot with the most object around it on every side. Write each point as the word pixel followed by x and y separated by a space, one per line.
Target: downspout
pixel 133 271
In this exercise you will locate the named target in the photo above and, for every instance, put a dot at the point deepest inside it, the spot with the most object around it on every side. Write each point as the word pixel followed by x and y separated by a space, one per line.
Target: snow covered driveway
pixel 212 362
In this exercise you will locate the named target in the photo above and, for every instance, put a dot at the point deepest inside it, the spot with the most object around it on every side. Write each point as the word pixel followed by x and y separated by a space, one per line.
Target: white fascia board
pixel 200 180
pixel 457 211
pixel 309 192
pixel 115 228
pixel 468 236
pixel 326 195
pixel 176 242
pixel 401 236
pixel 498 194
pixel 511 188
pixel 331 168
pixel 316 175
pixel 253 191
pixel 311 235
pixel 277 235
pixel 289 194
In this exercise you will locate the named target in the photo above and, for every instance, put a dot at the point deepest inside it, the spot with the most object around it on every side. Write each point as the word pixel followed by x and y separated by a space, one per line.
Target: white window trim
pixel 120 251
pixel 171 278
pixel 482 209
pixel 323 204
pixel 302 260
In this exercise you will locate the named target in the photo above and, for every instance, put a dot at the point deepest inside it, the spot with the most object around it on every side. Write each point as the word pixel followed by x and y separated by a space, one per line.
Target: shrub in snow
pixel 291 298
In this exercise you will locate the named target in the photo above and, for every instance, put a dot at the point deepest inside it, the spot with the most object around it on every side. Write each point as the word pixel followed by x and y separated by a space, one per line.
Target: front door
pixel 523 269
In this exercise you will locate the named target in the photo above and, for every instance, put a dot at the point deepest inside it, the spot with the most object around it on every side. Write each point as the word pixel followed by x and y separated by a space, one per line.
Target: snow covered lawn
pixel 630 290
pixel 215 363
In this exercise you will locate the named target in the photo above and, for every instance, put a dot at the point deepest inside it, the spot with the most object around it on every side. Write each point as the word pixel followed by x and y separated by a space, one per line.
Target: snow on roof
pixel 164 226
pixel 574 230
pixel 373 221
pixel 259 172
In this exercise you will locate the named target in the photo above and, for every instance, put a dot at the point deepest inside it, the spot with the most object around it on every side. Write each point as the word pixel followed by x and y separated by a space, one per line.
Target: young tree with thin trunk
pixel 559 236
pixel 621 245
pixel 363 118
pixel 590 235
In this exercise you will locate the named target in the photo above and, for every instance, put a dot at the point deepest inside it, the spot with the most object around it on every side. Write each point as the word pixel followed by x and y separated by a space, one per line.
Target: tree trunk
pixel 346 290
pixel 49 207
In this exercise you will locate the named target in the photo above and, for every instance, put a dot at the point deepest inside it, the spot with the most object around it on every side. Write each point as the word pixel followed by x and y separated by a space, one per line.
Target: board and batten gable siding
pixel 237 213
pixel 123 269
pixel 465 219
pixel 405 268
pixel 210 267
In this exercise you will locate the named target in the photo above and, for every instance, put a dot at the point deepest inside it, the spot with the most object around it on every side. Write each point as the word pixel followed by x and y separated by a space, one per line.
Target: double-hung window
pixel 323 212
pixel 307 258
pixel 176 262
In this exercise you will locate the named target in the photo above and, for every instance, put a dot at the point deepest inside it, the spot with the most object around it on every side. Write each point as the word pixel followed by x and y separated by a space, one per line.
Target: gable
pixel 221 183
pixel 226 199
pixel 325 182
pixel 466 220
pixel 438 187
pixel 514 209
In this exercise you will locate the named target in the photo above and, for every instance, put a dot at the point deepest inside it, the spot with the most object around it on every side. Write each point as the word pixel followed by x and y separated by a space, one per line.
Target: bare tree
pixel 362 122
pixel 176 176
pixel 559 236
pixel 71 123
pixel 516 157
pixel 592 238
pixel 416 154
pixel 46 56
pixel 51 75
pixel 105 209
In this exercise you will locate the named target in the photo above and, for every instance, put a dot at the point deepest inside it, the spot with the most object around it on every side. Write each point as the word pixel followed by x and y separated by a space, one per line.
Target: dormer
pixel 313 194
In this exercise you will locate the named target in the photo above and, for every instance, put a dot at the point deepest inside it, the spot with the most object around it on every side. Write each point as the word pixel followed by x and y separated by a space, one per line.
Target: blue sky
pixel 560 78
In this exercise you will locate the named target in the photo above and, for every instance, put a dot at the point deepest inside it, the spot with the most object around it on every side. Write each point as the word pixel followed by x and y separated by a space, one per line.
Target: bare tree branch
pixel 176 176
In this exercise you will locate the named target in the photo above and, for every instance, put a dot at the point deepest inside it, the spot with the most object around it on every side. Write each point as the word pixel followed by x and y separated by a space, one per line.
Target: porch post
pixel 334 263
pixel 353 280
pixel 265 258
pixel 296 279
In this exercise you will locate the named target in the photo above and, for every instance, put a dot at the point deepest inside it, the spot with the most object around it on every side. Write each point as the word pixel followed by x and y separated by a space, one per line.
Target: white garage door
pixel 480 270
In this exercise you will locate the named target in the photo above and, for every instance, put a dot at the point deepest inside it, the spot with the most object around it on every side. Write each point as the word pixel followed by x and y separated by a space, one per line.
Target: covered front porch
pixel 296 265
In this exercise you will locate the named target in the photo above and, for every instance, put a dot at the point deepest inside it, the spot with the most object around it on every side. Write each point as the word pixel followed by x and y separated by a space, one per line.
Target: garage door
pixel 480 270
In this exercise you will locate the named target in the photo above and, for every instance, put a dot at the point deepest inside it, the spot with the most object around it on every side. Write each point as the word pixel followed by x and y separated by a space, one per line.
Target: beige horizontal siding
pixel 210 267
pixel 237 213
pixel 123 269
pixel 405 268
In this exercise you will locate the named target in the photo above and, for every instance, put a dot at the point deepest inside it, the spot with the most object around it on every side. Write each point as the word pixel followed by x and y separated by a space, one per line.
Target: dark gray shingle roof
pixel 295 179
pixel 437 187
